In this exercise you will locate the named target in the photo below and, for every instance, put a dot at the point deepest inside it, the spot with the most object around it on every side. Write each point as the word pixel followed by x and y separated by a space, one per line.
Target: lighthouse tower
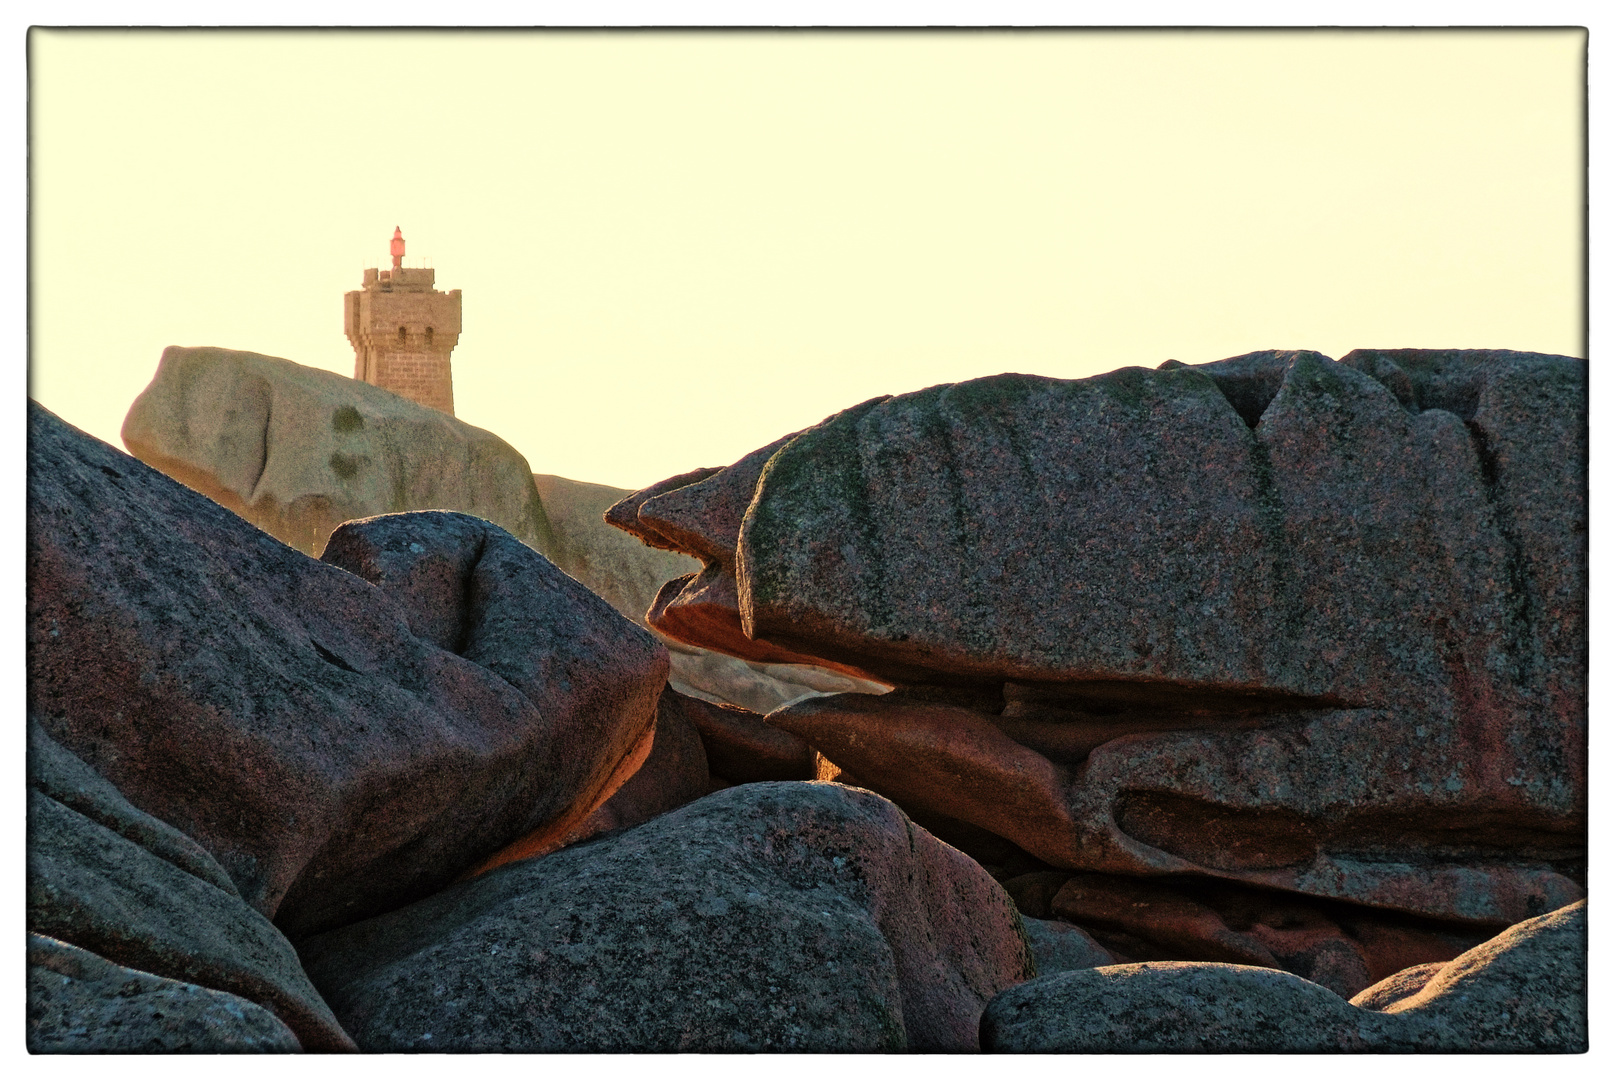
pixel 402 330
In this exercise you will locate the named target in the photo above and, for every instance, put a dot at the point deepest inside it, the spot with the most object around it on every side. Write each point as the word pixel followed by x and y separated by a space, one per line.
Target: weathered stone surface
pixel 1163 1007
pixel 471 588
pixel 80 1003
pixel 107 878
pixel 298 450
pixel 743 748
pixel 1033 892
pixel 281 712
pixel 1403 984
pixel 752 684
pixel 619 567
pixel 675 772
pixel 700 513
pixel 778 916
pixel 629 571
pixel 1060 946
pixel 701 608
pixel 703 516
pixel 1315 626
pixel 1343 947
pixel 944 758
pixel 1523 991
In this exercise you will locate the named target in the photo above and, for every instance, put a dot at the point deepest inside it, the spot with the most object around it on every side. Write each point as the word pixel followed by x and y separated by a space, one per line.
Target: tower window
pixel 428 335
pixel 403 335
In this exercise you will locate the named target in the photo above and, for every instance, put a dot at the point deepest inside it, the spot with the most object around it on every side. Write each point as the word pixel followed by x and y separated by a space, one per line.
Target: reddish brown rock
pixel 743 748
pixel 281 712
pixel 702 607
pixel 624 513
pixel 675 772
pixel 765 917
pixel 697 512
pixel 1343 947
pixel 943 758
pixel 700 513
pixel 1315 626
pixel 620 568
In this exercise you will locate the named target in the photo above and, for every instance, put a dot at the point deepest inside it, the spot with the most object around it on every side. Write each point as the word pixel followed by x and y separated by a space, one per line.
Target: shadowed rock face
pixel 772 916
pixel 1059 946
pixel 1523 991
pixel 126 906
pixel 1316 627
pixel 288 715
pixel 743 748
pixel 674 773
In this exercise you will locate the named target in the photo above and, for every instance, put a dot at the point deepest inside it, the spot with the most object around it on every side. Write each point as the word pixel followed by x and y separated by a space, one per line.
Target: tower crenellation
pixel 403 330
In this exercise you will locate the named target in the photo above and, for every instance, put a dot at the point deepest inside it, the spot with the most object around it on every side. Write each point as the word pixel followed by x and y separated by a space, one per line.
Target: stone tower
pixel 402 330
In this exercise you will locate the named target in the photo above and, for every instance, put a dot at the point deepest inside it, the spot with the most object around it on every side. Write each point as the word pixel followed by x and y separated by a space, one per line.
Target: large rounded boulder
pixel 1313 627
pixel 340 745
pixel 298 450
pixel 766 917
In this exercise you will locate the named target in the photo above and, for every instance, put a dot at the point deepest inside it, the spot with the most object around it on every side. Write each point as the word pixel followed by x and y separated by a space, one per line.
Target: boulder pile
pixel 1237 707
pixel 297 451
pixel 1276 660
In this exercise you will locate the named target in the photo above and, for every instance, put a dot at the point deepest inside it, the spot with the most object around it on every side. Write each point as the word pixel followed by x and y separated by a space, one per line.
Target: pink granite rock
pixel 743 748
pixel 674 773
pixel 1316 627
pixel 288 715
pixel 765 917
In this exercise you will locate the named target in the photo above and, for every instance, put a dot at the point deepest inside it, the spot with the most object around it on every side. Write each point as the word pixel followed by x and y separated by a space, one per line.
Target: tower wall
pixel 402 331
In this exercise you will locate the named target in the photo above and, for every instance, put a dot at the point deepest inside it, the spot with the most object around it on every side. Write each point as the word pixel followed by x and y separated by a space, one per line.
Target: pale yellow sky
pixel 676 246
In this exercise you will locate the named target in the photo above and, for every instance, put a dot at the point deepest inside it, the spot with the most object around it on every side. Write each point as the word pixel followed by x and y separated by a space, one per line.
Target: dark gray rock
pixel 1164 1007
pixel 772 916
pixel 80 1003
pixel 121 884
pixel 1061 946
pixel 281 712
pixel 1523 991
pixel 470 588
